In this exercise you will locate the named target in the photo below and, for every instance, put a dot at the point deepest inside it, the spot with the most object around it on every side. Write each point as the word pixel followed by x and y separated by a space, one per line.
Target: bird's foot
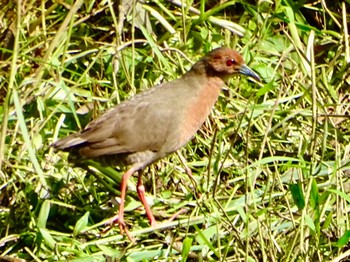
pixel 117 219
pixel 124 229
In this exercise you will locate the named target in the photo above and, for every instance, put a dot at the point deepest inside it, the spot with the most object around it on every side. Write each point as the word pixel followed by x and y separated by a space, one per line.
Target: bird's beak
pixel 245 70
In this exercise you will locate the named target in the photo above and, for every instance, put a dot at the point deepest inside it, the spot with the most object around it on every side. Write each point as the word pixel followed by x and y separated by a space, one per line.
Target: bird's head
pixel 224 62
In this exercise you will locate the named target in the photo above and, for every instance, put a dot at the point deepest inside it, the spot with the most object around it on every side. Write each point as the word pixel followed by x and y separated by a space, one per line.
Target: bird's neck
pixel 206 90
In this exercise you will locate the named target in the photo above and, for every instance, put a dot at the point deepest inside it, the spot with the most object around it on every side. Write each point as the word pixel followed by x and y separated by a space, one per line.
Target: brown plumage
pixel 159 121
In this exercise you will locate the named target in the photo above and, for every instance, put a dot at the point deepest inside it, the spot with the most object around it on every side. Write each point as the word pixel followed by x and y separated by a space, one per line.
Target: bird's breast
pixel 199 107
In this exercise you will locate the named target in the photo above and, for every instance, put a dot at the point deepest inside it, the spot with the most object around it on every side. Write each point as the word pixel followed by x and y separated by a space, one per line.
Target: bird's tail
pixel 68 142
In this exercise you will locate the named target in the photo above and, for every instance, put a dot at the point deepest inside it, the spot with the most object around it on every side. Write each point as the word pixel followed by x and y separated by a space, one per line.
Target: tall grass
pixel 270 167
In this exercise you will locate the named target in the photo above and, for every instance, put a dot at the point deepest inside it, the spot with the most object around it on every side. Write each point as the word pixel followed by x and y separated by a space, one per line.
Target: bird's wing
pixel 142 123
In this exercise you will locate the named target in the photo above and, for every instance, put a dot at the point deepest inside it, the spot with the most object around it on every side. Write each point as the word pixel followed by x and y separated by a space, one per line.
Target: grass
pixel 270 167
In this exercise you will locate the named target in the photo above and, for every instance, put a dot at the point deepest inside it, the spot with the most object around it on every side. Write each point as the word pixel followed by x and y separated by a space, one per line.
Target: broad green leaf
pixel 43 214
pixel 187 244
pixel 81 224
pixel 48 239
pixel 314 196
pixel 310 223
pixel 344 239
pixel 297 194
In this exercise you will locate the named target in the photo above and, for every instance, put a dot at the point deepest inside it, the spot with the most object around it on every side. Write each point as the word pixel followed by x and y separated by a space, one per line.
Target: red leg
pixel 141 193
pixel 123 185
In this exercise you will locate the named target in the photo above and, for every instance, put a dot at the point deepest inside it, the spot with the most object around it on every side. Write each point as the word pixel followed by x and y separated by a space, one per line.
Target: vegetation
pixel 270 167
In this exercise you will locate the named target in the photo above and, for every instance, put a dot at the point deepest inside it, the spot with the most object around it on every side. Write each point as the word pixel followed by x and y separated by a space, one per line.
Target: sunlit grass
pixel 270 167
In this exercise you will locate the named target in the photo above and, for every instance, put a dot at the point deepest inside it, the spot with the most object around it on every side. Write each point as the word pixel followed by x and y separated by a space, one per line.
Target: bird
pixel 157 122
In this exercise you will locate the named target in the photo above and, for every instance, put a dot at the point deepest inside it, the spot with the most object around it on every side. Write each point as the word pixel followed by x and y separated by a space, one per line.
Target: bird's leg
pixel 120 217
pixel 141 193
pixel 123 185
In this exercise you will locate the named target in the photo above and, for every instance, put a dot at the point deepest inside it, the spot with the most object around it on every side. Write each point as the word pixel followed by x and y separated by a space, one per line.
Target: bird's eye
pixel 230 62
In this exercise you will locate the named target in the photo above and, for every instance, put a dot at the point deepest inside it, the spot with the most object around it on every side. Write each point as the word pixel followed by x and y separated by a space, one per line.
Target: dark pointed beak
pixel 245 70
